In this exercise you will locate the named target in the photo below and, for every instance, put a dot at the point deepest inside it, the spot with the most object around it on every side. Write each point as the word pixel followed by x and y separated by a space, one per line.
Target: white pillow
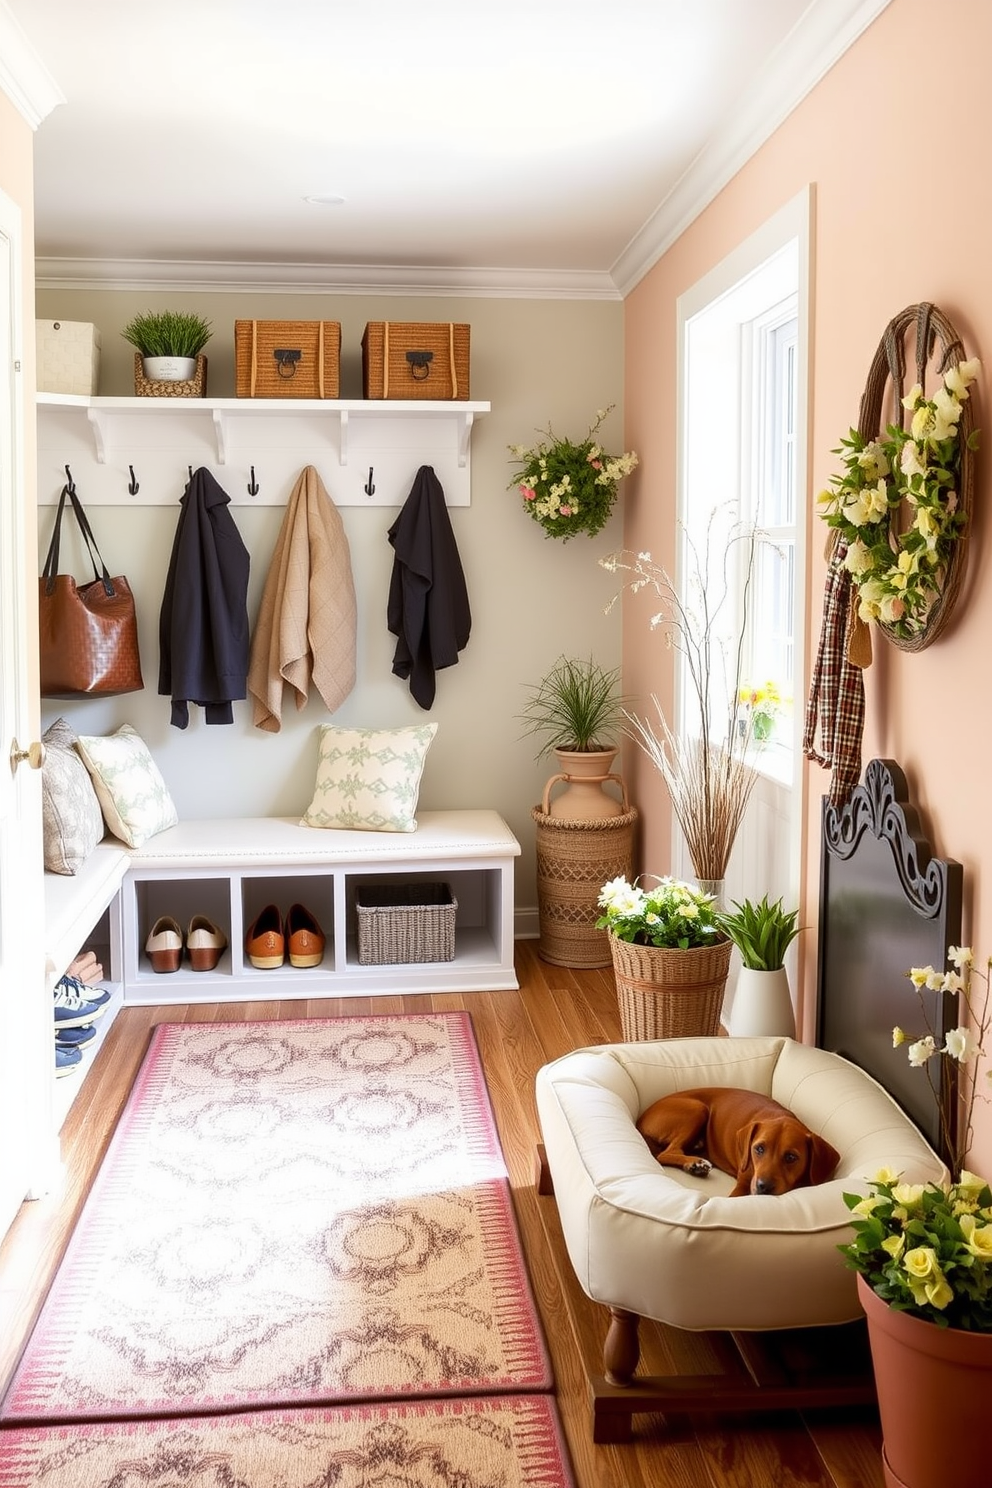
pixel 369 779
pixel 135 799
pixel 72 822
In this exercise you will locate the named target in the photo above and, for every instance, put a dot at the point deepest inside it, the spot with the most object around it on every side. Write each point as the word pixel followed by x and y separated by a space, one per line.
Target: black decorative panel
pixel 886 904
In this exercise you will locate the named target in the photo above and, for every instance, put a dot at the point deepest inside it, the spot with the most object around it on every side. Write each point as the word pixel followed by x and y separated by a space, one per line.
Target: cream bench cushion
pixel 664 1245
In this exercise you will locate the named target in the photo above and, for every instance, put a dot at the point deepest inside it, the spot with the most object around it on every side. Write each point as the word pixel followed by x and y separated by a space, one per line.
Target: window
pixel 742 389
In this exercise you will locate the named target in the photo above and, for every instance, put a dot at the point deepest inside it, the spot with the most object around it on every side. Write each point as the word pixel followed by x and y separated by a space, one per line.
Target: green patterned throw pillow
pixel 133 796
pixel 369 779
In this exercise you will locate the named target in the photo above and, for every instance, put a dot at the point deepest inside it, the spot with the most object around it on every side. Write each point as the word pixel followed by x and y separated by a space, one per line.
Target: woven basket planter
pixel 669 993
pixel 574 860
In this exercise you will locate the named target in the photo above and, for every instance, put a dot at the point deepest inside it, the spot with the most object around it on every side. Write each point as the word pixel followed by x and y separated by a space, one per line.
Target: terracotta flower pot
pixel 934 1388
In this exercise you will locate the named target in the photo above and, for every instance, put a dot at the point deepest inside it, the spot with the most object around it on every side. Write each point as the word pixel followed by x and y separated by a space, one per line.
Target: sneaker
pixel 67 1060
pixel 75 1038
pixel 77 1005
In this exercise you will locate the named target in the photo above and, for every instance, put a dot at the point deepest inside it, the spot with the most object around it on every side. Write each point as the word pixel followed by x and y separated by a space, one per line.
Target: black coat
pixel 428 607
pixel 203 624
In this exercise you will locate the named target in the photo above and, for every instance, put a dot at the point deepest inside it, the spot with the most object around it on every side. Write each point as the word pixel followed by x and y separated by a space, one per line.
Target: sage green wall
pixel 532 598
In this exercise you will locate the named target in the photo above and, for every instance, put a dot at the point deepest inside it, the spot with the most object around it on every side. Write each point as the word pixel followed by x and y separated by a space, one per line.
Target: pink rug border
pixel 547 1464
pixel 83 1252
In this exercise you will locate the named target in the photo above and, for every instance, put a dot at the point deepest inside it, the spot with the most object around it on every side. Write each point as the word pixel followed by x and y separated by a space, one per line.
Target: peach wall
pixel 895 151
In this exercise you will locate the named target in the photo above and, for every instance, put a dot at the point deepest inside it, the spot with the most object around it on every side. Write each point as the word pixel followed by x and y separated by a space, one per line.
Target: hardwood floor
pixel 555 1010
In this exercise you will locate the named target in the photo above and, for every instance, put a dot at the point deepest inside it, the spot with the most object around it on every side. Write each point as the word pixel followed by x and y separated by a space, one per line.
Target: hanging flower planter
pixel 570 488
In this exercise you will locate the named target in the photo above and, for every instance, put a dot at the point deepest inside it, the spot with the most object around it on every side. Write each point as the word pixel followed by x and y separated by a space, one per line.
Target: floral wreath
pixel 569 488
pixel 901 576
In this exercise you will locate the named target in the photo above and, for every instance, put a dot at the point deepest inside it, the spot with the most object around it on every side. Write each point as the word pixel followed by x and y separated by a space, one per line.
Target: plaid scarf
pixel 837 690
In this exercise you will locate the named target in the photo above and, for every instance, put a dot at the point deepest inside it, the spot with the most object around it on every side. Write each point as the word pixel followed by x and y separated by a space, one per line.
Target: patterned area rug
pixel 503 1442
pixel 291 1214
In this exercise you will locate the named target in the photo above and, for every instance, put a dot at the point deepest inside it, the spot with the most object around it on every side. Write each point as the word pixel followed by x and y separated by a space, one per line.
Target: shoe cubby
pixel 314 891
pixel 179 898
pixel 231 871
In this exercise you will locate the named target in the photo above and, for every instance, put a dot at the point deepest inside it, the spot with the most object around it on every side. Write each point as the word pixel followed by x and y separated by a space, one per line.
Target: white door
pixel 27 1142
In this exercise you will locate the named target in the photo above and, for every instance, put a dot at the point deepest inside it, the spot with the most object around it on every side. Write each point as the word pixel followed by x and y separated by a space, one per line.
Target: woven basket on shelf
pixel 146 387
pixel 670 993
pixel 574 860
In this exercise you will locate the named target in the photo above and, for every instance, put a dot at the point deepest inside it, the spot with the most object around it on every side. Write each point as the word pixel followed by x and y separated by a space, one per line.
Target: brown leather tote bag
pixel 88 632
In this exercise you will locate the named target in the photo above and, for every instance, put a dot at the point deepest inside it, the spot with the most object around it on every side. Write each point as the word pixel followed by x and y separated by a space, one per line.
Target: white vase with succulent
pixel 762 933
pixel 923 1254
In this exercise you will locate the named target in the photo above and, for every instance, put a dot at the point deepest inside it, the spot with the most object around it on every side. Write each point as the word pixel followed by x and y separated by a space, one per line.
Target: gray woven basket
pixel 402 923
pixel 670 993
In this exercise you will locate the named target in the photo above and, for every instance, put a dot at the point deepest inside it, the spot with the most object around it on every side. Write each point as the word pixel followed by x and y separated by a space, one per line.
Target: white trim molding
pixel 23 76
pixel 825 32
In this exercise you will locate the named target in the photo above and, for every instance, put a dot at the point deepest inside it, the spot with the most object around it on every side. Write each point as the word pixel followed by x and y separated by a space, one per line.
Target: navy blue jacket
pixel 203 624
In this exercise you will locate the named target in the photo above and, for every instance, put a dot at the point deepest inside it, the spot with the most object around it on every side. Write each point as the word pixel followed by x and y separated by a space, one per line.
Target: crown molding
pixel 355 279
pixel 23 76
pixel 818 40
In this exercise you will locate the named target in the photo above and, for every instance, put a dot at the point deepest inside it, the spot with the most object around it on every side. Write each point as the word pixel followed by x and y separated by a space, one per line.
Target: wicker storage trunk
pixel 405 922
pixel 574 860
pixel 670 993
pixel 68 356
pixel 414 359
pixel 287 358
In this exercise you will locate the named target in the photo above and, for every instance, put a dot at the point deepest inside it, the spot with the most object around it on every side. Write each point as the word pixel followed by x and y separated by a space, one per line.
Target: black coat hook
pixel 369 484
pixel 132 484
pixel 253 484
pixel 69 481
pixel 190 469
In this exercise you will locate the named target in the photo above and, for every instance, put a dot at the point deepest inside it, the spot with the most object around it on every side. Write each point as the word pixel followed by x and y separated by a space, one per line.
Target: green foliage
pixel 576 706
pixel 673 914
pixel 926 1250
pixel 762 932
pixel 176 333
pixel 568 487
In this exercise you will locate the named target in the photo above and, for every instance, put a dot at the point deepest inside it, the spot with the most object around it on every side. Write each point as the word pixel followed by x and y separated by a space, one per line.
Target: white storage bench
pixel 230 870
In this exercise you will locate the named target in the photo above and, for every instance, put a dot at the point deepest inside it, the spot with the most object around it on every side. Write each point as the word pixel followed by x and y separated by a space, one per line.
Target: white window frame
pixel 788 231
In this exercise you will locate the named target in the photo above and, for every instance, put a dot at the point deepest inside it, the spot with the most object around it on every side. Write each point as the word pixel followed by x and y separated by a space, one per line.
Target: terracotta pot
pixel 934 1388
pixel 584 772
pixel 762 1005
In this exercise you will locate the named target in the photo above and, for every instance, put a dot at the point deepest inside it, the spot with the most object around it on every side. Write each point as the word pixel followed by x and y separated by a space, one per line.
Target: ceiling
pixel 530 146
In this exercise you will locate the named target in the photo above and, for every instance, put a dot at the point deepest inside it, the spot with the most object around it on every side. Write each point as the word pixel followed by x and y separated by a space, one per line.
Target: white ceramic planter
pixel 169 369
pixel 762 1005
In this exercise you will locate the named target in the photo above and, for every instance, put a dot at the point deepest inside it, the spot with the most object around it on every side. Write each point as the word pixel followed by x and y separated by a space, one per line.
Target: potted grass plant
pixel 169 342
pixel 762 931
pixel 576 711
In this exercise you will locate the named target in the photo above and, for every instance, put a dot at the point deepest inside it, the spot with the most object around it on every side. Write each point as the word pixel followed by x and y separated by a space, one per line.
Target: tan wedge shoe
pixel 164 946
pixel 205 943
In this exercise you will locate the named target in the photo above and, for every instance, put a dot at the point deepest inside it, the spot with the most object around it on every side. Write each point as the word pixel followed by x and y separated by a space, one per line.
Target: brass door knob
pixel 34 754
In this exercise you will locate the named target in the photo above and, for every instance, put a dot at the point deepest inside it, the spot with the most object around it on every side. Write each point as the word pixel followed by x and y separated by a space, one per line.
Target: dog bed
pixel 661 1244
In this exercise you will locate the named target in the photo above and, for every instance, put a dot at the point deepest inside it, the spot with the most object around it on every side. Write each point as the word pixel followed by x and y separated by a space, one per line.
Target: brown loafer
pixel 164 945
pixel 265 943
pixel 205 942
pixel 306 939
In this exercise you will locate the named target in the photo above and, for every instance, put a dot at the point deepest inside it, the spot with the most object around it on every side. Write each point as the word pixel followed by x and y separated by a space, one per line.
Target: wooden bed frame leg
pixel 622 1349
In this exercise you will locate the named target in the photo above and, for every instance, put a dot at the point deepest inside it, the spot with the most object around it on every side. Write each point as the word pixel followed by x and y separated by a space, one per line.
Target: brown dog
pixel 750 1136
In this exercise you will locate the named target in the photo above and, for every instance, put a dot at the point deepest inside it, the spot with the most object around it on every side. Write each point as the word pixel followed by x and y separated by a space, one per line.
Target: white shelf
pixel 106 441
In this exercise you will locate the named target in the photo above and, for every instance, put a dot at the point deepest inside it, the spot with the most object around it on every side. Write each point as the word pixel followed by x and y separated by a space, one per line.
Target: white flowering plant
pixel 672 913
pixel 570 488
pixel 927 1248
pixel 899 574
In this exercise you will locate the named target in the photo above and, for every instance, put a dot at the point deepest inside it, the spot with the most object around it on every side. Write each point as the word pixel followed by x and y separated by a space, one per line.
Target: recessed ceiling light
pixel 324 201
